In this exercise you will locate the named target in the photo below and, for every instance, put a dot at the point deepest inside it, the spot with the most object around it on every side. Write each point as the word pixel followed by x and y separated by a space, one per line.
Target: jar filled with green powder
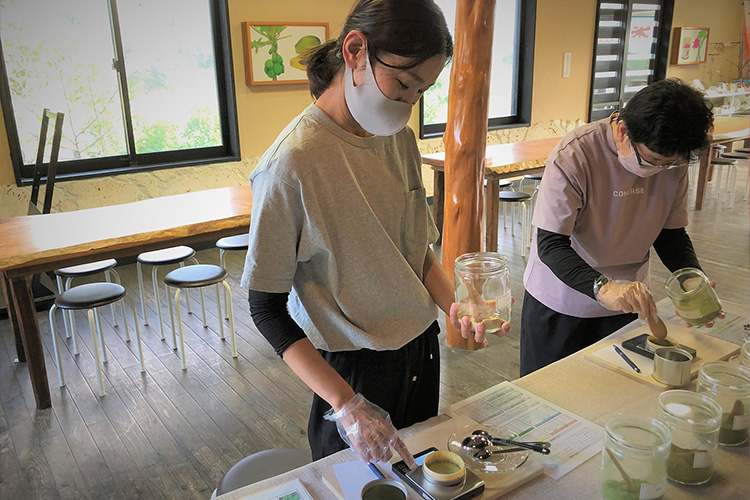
pixel 729 385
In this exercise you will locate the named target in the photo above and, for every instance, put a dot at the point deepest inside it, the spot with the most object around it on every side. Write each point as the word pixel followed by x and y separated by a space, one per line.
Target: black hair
pixel 669 118
pixel 415 29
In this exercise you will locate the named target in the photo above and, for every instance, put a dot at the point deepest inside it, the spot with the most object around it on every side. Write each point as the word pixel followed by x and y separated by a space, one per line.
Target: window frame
pixel 132 163
pixel 524 82
pixel 660 52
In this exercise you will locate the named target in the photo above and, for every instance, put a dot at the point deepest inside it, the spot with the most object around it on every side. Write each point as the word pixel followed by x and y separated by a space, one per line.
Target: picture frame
pixel 689 46
pixel 273 50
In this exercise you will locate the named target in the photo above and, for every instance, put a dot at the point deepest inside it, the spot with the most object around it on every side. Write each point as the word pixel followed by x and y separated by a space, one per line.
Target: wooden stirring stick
pixel 624 474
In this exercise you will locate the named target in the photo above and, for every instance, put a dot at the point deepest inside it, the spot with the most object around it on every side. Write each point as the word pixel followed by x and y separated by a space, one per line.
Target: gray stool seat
pixel 533 177
pixel 742 150
pixel 723 161
pixel 735 154
pixel 166 256
pixel 195 276
pixel 90 295
pixel 86 269
pixel 504 183
pixel 239 242
pixel 262 465
pixel 512 196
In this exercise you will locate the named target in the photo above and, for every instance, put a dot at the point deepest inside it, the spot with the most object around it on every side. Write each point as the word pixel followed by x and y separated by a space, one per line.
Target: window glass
pixel 504 71
pixel 58 55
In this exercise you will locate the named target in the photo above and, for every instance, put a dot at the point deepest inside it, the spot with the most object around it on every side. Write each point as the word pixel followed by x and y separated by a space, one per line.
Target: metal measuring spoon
pixel 481 439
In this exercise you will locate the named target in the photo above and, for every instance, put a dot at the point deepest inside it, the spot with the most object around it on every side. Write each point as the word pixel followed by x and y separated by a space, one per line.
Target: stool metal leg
pixel 140 291
pixel 218 306
pixel 187 295
pixel 203 309
pixel 72 316
pixel 92 327
pixel 60 378
pixel 222 263
pixel 101 334
pixel 187 290
pixel 231 319
pixel 158 302
pixel 61 289
pixel 171 316
pixel 179 325
pixel 137 330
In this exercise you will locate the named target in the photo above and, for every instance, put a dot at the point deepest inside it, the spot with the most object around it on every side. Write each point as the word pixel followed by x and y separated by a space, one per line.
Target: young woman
pixel 341 231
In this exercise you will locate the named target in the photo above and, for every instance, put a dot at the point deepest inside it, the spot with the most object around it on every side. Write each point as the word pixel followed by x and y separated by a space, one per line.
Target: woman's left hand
pixel 477 330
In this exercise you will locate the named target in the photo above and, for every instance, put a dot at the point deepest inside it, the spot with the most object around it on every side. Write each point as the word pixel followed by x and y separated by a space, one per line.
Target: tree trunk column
pixel 465 139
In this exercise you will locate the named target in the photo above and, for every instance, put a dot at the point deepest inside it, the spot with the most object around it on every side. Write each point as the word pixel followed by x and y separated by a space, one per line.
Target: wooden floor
pixel 170 433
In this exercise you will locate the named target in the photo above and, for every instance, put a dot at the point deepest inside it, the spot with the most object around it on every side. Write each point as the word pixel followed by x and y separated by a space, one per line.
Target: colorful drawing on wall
pixel 689 46
pixel 273 51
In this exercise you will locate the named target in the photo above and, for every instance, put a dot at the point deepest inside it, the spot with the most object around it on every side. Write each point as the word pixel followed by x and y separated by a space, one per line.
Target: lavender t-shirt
pixel 611 215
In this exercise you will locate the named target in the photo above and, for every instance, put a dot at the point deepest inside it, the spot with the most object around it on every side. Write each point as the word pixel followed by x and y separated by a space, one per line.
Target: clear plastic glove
pixel 368 429
pixel 627 296
pixel 479 329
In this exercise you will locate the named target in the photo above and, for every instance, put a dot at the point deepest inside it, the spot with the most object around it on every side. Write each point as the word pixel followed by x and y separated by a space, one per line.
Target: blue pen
pixel 627 359
pixel 375 470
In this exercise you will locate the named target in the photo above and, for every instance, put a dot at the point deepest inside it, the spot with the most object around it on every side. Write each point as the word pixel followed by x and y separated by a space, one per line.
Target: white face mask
pixel 373 111
pixel 630 163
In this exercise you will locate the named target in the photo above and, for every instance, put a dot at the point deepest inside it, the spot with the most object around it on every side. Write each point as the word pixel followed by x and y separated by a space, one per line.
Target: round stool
pixel 198 276
pixel 91 268
pixel 231 243
pixel 718 164
pixel 89 297
pixel 261 465
pixel 164 257
pixel 534 179
pixel 516 197
pixel 737 154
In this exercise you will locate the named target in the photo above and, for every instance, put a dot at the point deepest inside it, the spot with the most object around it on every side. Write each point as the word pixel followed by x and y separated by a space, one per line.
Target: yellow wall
pixel 557 104
pixel 724 18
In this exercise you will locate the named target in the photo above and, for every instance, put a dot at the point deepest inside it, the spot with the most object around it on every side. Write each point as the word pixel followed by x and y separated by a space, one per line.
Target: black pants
pixel 404 382
pixel 548 335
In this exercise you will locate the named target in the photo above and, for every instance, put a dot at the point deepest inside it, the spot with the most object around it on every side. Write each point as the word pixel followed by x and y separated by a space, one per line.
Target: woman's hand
pixel 478 330
pixel 367 428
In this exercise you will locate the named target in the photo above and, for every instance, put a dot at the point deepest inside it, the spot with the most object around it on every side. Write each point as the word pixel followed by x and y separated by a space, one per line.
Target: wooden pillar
pixel 465 138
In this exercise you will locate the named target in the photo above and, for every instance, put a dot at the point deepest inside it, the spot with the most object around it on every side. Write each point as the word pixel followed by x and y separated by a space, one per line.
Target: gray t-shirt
pixel 611 215
pixel 342 222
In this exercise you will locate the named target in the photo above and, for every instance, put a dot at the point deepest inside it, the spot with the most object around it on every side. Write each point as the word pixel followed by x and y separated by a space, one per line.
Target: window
pixel 511 72
pixel 630 51
pixel 142 85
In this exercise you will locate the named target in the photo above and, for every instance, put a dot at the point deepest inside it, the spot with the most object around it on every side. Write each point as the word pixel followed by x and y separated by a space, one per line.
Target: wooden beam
pixel 465 138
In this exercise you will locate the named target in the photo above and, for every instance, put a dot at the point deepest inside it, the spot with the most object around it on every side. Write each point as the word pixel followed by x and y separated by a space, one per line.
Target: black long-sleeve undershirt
pixel 272 318
pixel 673 246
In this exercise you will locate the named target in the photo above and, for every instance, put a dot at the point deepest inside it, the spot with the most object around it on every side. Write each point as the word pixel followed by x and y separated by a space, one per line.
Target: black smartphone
pixel 638 345
pixel 471 488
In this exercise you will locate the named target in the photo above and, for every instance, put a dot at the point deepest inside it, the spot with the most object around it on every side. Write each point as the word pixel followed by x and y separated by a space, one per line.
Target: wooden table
pixel 503 157
pixel 726 131
pixel 40 243
pixel 582 387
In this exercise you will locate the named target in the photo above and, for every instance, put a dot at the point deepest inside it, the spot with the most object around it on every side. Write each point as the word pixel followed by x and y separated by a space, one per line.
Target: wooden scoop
pixel 657 326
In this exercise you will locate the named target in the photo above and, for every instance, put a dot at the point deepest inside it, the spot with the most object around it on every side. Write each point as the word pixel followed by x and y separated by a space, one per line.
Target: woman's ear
pixel 354 49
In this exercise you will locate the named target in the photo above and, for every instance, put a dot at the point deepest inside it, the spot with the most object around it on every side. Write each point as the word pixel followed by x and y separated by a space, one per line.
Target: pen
pixel 375 470
pixel 627 359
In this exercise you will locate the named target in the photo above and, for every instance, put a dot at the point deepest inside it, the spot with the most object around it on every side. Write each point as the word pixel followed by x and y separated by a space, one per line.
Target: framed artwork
pixel 273 50
pixel 689 46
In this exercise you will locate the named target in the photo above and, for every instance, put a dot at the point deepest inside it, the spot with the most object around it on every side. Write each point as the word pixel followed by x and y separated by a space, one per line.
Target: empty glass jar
pixel 693 420
pixel 694 299
pixel 729 385
pixel 634 459
pixel 482 286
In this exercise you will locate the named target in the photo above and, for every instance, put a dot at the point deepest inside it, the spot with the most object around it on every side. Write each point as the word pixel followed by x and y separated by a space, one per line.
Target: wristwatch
pixel 598 284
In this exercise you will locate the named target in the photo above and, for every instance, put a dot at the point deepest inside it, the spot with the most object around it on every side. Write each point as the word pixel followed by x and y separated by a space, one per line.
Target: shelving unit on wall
pixel 734 105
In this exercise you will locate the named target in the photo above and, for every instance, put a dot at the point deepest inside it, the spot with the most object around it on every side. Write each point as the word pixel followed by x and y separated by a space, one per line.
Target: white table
pixel 589 390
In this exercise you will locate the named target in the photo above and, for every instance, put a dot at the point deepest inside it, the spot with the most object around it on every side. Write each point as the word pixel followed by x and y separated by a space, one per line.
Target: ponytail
pixel 323 62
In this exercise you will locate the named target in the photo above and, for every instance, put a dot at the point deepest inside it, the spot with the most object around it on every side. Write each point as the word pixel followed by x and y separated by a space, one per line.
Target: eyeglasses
pixel 644 163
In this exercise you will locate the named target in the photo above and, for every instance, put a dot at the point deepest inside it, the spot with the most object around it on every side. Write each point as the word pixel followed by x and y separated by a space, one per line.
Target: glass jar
pixel 694 299
pixel 482 287
pixel 745 355
pixel 634 459
pixel 693 420
pixel 729 385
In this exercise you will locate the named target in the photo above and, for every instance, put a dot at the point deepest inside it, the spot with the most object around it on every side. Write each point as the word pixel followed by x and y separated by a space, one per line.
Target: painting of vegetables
pixel 690 46
pixel 274 51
